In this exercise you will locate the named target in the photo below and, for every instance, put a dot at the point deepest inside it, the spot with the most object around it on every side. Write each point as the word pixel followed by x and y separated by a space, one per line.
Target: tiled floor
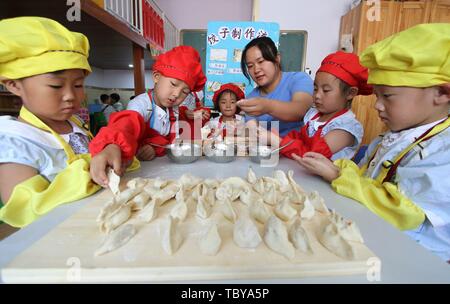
pixel 6 230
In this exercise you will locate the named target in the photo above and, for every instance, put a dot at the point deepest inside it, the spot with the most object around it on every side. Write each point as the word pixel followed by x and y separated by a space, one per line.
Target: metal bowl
pixel 220 152
pixel 258 153
pixel 183 153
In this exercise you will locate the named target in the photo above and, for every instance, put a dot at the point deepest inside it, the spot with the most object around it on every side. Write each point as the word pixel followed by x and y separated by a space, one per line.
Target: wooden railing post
pixel 139 69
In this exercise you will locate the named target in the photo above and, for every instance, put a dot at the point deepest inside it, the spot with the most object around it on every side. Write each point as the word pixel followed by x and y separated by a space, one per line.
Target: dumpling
pixel 189 181
pixel 318 202
pixel 212 183
pixel 166 194
pixel 179 211
pixel 245 233
pixel 148 213
pixel 203 208
pixel 308 210
pixel 116 218
pixel 347 229
pixel 276 238
pixel 171 237
pixel 107 209
pixel 259 186
pixel 251 176
pixel 117 238
pixel 284 210
pixel 137 182
pixel 236 184
pixel 331 239
pixel 210 241
pixel 259 211
pixel 294 185
pixel 270 196
pixel 228 211
pixel 114 181
pixel 299 238
pixel 140 200
pixel 283 181
pixel 248 196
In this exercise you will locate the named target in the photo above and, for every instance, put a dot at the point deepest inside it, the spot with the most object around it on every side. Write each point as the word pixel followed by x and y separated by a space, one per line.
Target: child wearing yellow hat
pixel 404 177
pixel 150 118
pixel 43 158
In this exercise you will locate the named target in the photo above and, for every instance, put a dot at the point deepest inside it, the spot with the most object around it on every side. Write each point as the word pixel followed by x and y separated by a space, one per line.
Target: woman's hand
pixel 254 106
pixel 111 156
pixel 318 164
pixel 146 152
pixel 189 114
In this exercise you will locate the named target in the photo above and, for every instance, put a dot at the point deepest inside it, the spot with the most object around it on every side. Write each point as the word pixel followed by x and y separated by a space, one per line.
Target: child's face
pixel 169 92
pixel 52 96
pixel 328 96
pixel 227 103
pixel 406 107
pixel 262 71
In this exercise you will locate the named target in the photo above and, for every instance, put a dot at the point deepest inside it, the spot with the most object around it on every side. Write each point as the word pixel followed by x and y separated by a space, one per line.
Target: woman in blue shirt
pixel 279 96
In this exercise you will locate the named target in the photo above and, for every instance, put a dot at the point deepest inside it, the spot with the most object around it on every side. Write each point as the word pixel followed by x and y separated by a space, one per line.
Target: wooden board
pixel 66 254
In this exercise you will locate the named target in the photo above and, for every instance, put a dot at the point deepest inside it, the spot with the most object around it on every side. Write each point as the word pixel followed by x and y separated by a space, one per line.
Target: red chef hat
pixel 183 63
pixel 228 87
pixel 347 68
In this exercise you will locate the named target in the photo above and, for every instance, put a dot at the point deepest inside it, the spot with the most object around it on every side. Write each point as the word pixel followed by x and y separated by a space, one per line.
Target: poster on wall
pixel 224 44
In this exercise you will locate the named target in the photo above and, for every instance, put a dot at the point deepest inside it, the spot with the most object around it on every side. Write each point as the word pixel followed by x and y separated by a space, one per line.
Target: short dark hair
pixel 104 97
pixel 268 50
pixel 345 88
pixel 115 97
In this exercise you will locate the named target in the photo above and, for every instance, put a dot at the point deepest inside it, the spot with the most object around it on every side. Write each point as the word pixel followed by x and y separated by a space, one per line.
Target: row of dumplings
pixel 280 193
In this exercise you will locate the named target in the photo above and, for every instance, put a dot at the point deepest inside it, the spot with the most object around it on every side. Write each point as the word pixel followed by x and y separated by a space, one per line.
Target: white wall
pixel 195 14
pixel 115 79
pixel 320 18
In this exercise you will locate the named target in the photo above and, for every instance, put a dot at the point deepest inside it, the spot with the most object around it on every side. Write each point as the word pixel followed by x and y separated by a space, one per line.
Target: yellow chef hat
pixel 417 57
pixel 35 45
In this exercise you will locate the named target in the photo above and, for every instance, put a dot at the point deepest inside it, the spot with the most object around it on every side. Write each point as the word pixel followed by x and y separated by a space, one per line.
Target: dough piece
pixel 251 176
pixel 153 186
pixel 140 201
pixel 245 233
pixel 259 211
pixel 284 210
pixel 282 180
pixel 228 211
pixel 179 211
pixel 114 181
pixel 318 202
pixel 107 209
pixel 116 218
pixel 188 181
pixel 148 213
pixel 276 238
pixel 308 210
pixel 127 195
pixel 294 186
pixel 331 239
pixel 210 241
pixel 299 238
pixel 117 238
pixel 170 235
pixel 259 186
pixel 347 229
pixel 137 182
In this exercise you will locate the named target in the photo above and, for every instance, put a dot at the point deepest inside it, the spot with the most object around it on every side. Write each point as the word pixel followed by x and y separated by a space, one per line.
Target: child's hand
pixel 111 156
pixel 253 106
pixel 146 152
pixel 205 114
pixel 318 164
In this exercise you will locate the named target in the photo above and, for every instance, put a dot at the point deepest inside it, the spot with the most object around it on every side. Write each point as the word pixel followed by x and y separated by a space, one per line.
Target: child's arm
pixel 300 146
pixel 385 199
pixel 338 140
pixel 109 157
pixel 12 174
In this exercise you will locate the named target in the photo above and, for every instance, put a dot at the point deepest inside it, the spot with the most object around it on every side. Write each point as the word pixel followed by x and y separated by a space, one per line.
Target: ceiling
pixel 108 49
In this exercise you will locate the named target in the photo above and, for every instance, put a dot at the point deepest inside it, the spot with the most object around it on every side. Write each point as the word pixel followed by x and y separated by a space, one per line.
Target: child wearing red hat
pixel 225 101
pixel 150 118
pixel 330 128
